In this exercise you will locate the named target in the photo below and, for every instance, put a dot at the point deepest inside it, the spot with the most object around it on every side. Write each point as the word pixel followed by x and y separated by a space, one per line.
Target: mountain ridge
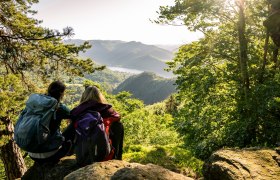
pixel 132 54
pixel 148 87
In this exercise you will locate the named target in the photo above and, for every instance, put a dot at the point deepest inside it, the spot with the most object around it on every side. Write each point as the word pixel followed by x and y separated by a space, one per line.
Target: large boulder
pixel 114 169
pixel 120 170
pixel 235 164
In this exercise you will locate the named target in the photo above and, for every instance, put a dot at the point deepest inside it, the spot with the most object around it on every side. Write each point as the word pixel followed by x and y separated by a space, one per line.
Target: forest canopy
pixel 228 81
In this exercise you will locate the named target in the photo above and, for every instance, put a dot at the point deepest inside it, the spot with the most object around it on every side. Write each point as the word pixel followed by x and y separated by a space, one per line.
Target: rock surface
pixel 51 171
pixel 114 169
pixel 225 164
pixel 120 170
pixel 233 164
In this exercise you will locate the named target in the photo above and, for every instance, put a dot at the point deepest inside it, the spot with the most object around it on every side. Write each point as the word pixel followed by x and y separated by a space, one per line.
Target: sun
pixel 233 3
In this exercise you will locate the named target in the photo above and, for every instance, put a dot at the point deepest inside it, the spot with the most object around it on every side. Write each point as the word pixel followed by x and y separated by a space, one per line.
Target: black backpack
pixel 92 142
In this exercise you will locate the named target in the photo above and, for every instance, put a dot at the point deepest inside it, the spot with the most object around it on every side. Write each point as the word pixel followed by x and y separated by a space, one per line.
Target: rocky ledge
pixel 234 164
pixel 113 169
pixel 224 164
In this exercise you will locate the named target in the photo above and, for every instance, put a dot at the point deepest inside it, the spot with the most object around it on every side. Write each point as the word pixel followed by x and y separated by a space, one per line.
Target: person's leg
pixel 117 135
pixel 66 146
pixel 69 132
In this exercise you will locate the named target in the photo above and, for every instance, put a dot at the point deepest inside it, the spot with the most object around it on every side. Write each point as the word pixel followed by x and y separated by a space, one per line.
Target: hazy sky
pixel 126 20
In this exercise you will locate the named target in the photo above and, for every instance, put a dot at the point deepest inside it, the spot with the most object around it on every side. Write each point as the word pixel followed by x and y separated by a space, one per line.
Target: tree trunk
pixel 11 156
pixel 245 91
pixel 261 76
pixel 243 56
pixel 275 57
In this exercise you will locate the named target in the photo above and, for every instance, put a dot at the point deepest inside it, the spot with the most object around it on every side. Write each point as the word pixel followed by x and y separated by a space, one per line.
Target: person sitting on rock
pixel 92 100
pixel 59 144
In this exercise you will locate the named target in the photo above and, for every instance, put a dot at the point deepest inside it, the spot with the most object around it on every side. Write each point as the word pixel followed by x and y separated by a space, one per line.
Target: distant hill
pixel 172 48
pixel 108 78
pixel 148 87
pixel 133 55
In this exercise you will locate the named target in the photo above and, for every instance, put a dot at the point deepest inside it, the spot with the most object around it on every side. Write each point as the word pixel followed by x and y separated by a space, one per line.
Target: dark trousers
pixel 116 135
pixel 67 145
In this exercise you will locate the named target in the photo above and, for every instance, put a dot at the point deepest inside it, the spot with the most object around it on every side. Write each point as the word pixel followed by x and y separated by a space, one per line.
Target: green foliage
pixel 31 56
pixel 2 170
pixel 124 103
pixel 143 127
pixel 73 94
pixel 28 47
pixel 158 108
pixel 88 82
pixel 12 95
pixel 174 158
pixel 214 109
pixel 207 98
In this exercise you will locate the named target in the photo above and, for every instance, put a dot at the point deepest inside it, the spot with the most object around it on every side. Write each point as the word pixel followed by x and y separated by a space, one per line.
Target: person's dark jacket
pixel 111 119
pixel 106 111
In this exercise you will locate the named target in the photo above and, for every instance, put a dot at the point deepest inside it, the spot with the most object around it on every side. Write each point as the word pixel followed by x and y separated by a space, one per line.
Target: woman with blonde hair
pixel 92 93
pixel 93 100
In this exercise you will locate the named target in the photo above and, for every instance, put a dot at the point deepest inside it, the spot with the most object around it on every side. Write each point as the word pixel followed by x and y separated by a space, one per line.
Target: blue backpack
pixel 92 142
pixel 32 127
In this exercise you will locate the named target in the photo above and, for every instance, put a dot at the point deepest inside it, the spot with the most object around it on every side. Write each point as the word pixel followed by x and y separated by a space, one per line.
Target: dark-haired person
pixel 59 144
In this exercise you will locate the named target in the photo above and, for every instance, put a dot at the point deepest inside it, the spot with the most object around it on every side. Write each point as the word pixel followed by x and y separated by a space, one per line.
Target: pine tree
pixel 29 55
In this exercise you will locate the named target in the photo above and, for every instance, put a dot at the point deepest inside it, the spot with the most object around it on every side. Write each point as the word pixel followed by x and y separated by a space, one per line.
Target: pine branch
pixel 68 31
pixel 32 39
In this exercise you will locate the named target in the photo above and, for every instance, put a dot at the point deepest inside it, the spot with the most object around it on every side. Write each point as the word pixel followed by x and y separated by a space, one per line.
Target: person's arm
pixel 109 116
pixel 62 112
